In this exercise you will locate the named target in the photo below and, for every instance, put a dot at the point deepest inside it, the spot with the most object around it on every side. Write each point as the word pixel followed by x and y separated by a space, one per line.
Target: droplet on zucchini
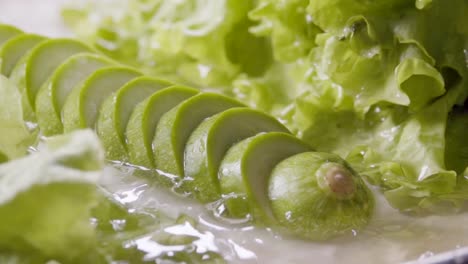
pixel 53 93
pixel 211 140
pixel 246 169
pixel 145 118
pixel 317 195
pixel 12 50
pixel 82 106
pixel 175 127
pixel 116 110
pixel 7 32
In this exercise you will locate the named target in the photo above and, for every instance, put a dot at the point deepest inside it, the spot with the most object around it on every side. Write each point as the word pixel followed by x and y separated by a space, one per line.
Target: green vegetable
pixel 204 43
pixel 3 157
pixel 245 171
pixel 38 64
pixel 210 141
pixel 290 27
pixel 205 144
pixel 82 105
pixel 116 111
pixel 52 95
pixel 62 174
pixel 456 149
pixel 176 126
pixel 349 77
pixel 13 49
pixel 7 32
pixel 378 88
pixel 16 135
pixel 145 118
pixel 318 195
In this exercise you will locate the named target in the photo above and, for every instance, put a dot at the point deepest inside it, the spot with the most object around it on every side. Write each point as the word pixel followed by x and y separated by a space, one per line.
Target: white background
pixel 38 16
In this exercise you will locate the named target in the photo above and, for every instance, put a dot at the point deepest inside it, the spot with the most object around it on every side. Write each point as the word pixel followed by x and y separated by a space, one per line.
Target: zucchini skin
pixel 178 178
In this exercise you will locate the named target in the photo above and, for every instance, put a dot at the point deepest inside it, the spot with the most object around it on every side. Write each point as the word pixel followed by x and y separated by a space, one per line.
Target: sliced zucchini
pixel 116 111
pixel 211 140
pixel 7 32
pixel 13 49
pixel 175 127
pixel 317 195
pixel 144 119
pixel 82 106
pixel 52 95
pixel 245 170
pixel 36 66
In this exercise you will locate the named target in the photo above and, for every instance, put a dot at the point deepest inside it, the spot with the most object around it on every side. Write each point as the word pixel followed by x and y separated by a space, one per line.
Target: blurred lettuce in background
pixel 204 43
pixel 383 83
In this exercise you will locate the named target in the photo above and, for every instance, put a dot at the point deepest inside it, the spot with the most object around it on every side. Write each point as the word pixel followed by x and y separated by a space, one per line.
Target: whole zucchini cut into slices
pixel 211 140
pixel 116 110
pixel 176 126
pixel 145 118
pixel 245 171
pixel 7 32
pixel 54 92
pixel 37 66
pixel 12 50
pixel 82 106
pixel 317 195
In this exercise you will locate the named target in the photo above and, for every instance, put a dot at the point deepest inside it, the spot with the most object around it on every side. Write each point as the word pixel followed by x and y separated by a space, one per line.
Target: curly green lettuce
pixel 46 199
pixel 204 43
pixel 384 80
pixel 288 24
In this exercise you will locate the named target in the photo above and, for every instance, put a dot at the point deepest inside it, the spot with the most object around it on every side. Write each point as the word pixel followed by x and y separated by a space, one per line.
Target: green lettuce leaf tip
pixel 46 198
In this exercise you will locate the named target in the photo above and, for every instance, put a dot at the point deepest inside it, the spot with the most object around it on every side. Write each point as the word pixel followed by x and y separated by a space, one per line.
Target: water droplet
pixel 204 70
pixel 426 254
pixel 288 215
pixel 118 224
pixel 242 252
pixel 466 56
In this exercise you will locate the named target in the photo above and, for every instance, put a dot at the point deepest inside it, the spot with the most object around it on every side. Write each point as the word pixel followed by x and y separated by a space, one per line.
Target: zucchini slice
pixel 82 106
pixel 145 118
pixel 53 94
pixel 211 140
pixel 7 32
pixel 12 50
pixel 116 111
pixel 176 126
pixel 37 66
pixel 245 171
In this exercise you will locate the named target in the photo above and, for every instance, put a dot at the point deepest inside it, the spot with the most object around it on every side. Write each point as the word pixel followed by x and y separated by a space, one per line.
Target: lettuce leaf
pixel 289 26
pixel 15 135
pixel 46 198
pixel 383 81
pixel 456 149
pixel 204 43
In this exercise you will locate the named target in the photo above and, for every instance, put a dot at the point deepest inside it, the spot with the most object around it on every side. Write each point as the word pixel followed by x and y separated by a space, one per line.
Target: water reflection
pixel 390 238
